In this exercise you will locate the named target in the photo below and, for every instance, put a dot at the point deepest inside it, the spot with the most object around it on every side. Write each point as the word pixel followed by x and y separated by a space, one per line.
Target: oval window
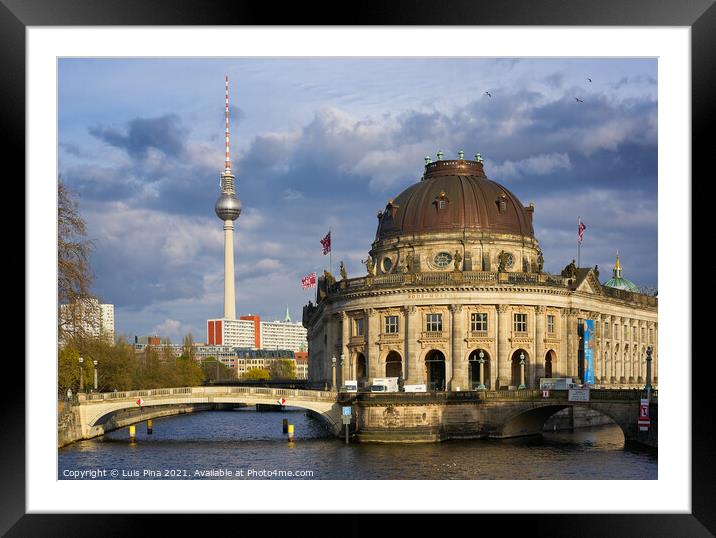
pixel 387 265
pixel 443 259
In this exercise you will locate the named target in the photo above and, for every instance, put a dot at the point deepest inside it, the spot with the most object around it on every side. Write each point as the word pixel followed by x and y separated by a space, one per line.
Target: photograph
pixel 357 268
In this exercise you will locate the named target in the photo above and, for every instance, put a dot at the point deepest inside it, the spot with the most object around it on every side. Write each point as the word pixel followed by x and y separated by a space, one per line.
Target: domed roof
pixel 618 281
pixel 454 196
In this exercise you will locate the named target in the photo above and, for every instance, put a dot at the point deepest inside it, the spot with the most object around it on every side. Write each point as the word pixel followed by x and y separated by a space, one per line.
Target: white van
pixel 350 386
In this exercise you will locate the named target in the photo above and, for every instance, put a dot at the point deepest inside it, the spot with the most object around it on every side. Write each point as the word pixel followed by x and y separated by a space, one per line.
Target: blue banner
pixel 588 352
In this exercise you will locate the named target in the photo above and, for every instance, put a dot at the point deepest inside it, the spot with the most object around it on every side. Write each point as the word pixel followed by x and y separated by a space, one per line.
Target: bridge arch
pixel 531 421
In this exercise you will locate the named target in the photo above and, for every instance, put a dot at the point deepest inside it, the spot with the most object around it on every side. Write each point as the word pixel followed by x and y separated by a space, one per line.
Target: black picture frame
pixel 699 15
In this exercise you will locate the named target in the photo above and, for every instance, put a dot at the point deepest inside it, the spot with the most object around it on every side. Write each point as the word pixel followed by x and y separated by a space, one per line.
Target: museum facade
pixel 455 297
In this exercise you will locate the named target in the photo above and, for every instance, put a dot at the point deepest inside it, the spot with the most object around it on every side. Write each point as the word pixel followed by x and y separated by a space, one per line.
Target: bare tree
pixel 77 307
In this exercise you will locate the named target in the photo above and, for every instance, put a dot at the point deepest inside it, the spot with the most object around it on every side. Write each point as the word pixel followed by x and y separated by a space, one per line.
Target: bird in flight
pixel 589 79
pixel 488 94
pixel 579 100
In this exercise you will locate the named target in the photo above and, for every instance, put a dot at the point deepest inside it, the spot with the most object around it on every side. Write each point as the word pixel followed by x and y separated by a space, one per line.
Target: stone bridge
pixel 98 413
pixel 429 417
pixel 377 417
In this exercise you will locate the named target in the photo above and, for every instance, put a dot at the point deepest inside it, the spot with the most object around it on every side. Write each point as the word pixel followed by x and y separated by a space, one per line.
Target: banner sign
pixel 588 352
pixel 644 420
pixel 578 395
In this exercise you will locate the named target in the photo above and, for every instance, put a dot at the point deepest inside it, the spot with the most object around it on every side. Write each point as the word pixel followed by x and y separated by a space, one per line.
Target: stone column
pixel 573 344
pixel 655 357
pixel 372 328
pixel 621 369
pixel 562 370
pixel 345 338
pixel 415 374
pixel 641 372
pixel 459 361
pixel 503 346
pixel 539 347
pixel 493 323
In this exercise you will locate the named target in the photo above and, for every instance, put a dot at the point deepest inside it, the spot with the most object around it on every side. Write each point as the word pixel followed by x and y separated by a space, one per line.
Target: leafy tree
pixel 74 277
pixel 188 346
pixel 282 369
pixel 215 370
pixel 256 374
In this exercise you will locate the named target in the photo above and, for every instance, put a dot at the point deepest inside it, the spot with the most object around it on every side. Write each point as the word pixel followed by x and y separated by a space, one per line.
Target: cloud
pixel 163 133
pixel 172 328
pixel 539 165
pixel 148 185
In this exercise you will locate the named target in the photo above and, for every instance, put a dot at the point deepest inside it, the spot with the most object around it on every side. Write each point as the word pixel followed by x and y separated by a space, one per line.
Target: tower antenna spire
pixel 227 166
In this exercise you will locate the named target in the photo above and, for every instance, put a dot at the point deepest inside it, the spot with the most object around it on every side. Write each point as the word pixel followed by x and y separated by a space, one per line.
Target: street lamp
pixel 333 365
pixel 343 372
pixel 95 374
pixel 82 383
pixel 481 360
pixel 522 371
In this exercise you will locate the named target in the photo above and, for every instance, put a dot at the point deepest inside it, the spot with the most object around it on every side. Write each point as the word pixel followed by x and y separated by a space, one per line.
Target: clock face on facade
pixel 442 259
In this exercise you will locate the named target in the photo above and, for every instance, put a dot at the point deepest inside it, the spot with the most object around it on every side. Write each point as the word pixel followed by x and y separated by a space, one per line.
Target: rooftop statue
pixel 342 269
pixel 570 271
pixel 369 265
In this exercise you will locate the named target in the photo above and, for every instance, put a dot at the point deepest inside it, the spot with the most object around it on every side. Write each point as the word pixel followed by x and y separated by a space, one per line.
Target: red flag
pixel 580 229
pixel 326 243
pixel 309 281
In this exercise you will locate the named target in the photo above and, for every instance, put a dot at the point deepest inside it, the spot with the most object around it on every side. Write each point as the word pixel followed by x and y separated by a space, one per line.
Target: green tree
pixel 256 374
pixel 215 370
pixel 282 369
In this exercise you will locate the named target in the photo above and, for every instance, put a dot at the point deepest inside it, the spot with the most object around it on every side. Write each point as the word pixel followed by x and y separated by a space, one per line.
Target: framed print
pixel 455 320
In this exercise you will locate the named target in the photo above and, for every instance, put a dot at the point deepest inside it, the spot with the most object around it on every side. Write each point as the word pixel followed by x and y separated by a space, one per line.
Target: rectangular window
pixel 615 335
pixel 478 321
pixel 434 322
pixel 550 324
pixel 359 327
pixel 391 324
pixel 626 333
pixel 520 323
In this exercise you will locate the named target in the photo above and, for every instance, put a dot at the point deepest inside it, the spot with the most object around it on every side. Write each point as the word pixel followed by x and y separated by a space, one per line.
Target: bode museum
pixel 455 297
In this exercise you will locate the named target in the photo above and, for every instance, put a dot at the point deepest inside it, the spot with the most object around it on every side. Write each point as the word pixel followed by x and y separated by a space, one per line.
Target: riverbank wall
pixel 69 428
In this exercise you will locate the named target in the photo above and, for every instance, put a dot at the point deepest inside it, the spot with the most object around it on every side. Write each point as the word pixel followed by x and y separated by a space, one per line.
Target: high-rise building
pixel 232 332
pixel 88 317
pixel 284 334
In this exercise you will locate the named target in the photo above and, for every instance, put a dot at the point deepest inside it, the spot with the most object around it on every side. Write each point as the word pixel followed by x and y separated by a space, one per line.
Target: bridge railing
pixel 302 394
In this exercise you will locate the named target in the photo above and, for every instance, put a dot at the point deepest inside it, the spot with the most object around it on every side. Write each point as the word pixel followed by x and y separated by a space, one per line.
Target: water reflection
pixel 244 440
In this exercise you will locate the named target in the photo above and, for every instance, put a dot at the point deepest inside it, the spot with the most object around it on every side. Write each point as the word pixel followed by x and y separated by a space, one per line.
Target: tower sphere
pixel 228 207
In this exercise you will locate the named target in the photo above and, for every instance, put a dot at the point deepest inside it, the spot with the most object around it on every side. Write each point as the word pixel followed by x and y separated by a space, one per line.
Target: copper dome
pixel 455 196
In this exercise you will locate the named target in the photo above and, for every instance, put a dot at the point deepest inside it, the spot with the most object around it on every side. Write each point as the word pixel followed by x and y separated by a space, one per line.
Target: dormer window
pixel 391 208
pixel 501 203
pixel 441 201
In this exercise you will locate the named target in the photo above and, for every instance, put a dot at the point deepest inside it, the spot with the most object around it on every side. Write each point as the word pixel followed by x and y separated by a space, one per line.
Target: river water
pixel 245 444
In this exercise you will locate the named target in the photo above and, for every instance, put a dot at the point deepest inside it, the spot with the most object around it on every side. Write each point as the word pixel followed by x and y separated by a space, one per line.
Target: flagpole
pixel 579 243
pixel 330 251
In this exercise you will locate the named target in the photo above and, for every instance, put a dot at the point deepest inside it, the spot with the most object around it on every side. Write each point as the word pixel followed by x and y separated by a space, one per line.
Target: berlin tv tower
pixel 228 209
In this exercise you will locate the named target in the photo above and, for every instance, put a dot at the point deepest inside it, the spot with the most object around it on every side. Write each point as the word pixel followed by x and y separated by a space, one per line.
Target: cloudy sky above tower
pixel 321 143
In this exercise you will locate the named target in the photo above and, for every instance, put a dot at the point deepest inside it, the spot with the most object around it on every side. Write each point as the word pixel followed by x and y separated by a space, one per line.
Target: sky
pixel 324 143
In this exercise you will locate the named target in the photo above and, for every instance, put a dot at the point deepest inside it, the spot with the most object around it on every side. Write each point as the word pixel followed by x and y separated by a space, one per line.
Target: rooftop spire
pixel 227 167
pixel 617 268
pixel 287 318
